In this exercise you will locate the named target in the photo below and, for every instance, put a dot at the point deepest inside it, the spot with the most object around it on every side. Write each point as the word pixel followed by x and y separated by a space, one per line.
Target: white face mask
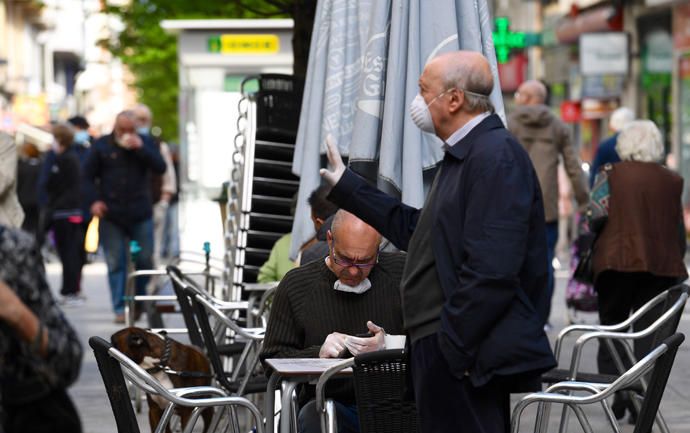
pixel 420 114
pixel 360 288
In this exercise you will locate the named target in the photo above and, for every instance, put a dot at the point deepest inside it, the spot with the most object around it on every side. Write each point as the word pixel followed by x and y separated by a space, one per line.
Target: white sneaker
pixel 76 300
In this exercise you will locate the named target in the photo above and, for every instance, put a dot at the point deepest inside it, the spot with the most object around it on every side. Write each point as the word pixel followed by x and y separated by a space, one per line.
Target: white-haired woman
pixel 639 252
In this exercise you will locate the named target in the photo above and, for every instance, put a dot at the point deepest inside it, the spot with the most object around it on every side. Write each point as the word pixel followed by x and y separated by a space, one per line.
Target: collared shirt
pixel 466 128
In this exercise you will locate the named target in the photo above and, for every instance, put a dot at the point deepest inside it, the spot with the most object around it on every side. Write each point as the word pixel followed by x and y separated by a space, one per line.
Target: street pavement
pixel 96 318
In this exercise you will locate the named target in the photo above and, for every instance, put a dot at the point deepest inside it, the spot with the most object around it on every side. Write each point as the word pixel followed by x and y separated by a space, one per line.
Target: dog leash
pixel 165 368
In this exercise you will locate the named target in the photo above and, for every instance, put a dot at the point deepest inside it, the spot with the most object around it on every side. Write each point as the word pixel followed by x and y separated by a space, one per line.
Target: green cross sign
pixel 506 40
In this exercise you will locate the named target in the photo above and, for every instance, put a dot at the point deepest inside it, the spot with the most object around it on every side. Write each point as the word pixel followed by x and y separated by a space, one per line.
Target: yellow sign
pixel 244 44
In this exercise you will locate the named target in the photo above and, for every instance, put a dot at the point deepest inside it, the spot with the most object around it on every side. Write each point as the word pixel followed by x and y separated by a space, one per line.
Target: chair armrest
pixel 325 376
pixel 572 385
pixel 193 391
pixel 249 333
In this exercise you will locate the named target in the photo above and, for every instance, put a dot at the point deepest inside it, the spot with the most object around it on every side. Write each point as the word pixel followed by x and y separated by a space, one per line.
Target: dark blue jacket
pixel 120 178
pixel 606 154
pixel 489 243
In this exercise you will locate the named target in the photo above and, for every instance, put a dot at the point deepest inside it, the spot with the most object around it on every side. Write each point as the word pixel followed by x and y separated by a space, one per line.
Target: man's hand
pixel 335 161
pixel 99 209
pixel 334 345
pixel 357 345
pixel 132 141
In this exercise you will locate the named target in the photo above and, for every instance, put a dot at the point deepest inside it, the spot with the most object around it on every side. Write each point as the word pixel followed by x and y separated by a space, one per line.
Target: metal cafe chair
pixel 671 302
pixel 659 362
pixel 243 378
pixel 114 365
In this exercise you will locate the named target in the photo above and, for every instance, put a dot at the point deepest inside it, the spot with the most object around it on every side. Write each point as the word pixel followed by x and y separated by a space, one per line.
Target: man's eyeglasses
pixel 348 264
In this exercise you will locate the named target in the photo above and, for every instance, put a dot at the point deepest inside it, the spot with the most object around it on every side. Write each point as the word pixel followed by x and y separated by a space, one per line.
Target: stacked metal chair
pixel 262 185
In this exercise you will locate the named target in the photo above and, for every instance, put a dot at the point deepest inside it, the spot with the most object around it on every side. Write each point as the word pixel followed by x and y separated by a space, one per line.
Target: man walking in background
pixel 119 167
pixel 546 139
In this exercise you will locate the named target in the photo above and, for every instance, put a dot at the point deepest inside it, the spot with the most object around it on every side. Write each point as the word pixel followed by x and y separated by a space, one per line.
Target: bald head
pixel 346 225
pixel 142 114
pixel 468 70
pixel 125 122
pixel 351 240
pixel 531 92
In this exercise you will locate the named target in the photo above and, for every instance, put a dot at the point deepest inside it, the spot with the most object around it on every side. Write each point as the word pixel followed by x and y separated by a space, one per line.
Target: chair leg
pixel 584 422
pixel 609 414
pixel 165 418
pixel 542 422
pixel 215 420
pixel 288 389
pixel 563 426
pixel 332 426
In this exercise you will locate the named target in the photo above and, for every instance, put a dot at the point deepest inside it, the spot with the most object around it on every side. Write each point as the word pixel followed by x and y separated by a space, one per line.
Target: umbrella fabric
pixel 364 63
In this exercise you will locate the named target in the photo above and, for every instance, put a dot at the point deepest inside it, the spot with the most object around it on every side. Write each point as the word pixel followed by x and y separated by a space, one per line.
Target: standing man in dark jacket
pixel 476 262
pixel 122 163
pixel 547 140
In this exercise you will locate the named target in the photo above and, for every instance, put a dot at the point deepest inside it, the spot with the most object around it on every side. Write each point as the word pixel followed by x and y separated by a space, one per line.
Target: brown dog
pixel 174 364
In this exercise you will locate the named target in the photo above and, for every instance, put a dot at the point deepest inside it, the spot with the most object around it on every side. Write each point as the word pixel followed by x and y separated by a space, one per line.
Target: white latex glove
pixel 357 345
pixel 335 162
pixel 333 346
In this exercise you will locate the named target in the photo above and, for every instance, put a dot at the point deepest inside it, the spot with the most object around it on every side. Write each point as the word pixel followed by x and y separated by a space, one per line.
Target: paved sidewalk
pixel 96 318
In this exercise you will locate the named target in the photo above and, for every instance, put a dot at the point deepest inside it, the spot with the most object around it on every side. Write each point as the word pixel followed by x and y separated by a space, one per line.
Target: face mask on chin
pixel 143 130
pixel 360 288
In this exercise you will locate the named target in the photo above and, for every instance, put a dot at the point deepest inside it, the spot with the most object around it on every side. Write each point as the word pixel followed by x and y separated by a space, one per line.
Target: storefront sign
pixel 658 52
pixel 681 27
pixel 598 20
pixel 603 86
pixel 244 44
pixel 31 109
pixel 597 108
pixel 604 53
pixel 571 111
pixel 506 40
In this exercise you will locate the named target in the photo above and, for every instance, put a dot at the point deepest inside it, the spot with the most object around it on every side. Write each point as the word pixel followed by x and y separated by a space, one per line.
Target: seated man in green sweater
pixel 321 307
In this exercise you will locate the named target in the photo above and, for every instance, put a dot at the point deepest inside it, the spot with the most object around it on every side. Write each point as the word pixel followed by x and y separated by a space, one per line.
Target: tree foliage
pixel 151 54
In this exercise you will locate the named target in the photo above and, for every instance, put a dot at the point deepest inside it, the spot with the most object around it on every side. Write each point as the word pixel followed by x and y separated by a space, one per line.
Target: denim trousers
pixel 551 241
pixel 115 241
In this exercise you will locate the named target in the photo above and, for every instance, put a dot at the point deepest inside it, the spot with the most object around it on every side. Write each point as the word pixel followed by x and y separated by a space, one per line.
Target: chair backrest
pixel 115 386
pixel 675 294
pixel 657 384
pixel 380 387
pixel 179 282
pixel 209 340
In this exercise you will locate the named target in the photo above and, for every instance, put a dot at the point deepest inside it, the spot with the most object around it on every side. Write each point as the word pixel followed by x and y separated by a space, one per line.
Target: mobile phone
pixel 365 335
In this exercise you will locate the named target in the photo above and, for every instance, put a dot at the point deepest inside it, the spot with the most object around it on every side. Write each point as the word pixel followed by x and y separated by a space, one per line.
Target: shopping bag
pixel 91 238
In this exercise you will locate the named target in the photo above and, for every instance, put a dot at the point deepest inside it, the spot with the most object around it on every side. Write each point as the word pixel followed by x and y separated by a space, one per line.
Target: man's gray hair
pixel 475 84
pixel 640 140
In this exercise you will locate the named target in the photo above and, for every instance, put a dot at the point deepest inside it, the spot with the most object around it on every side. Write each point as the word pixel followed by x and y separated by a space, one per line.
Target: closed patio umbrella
pixel 364 62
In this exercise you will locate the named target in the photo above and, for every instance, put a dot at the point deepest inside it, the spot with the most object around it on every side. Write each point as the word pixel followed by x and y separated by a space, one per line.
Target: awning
pixel 365 59
pixel 596 20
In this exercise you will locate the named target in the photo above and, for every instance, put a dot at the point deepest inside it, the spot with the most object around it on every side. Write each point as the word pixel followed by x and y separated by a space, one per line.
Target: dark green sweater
pixel 306 309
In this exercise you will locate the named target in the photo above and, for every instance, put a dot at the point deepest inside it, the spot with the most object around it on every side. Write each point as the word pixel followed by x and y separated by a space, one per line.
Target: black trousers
pixel 619 294
pixel 69 241
pixel 448 404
